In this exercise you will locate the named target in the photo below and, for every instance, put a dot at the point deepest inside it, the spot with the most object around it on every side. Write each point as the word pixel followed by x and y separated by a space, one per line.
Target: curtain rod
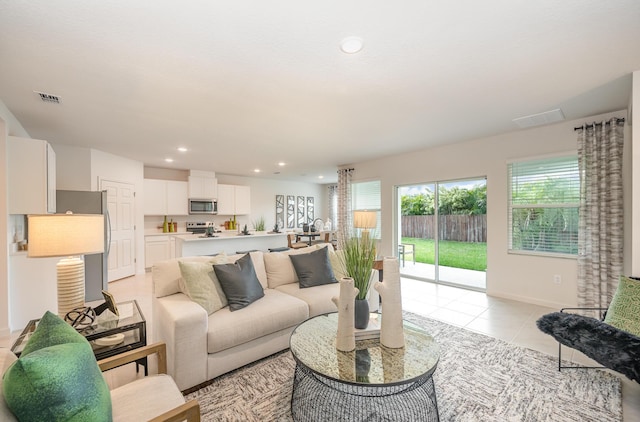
pixel 586 125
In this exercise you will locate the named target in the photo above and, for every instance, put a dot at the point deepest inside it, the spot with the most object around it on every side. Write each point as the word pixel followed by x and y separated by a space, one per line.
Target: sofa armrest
pixel 190 411
pixel 182 325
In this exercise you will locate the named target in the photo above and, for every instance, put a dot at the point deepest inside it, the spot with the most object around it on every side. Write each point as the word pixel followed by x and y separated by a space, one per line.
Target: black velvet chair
pixel 611 347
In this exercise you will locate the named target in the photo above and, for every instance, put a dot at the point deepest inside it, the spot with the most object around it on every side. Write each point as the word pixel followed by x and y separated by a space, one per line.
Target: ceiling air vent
pixel 539 119
pixel 48 98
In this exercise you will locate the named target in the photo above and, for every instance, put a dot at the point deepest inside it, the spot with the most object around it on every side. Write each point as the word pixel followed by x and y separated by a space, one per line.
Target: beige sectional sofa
pixel 201 346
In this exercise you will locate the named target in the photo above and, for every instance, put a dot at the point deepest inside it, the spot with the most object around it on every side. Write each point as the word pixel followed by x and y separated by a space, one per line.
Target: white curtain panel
pixel 600 233
pixel 344 222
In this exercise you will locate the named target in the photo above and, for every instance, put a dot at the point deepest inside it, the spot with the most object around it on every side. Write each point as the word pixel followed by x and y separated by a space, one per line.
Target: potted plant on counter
pixel 258 224
pixel 357 257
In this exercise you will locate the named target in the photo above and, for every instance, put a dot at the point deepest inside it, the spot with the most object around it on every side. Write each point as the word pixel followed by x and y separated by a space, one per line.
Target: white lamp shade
pixel 364 219
pixel 65 234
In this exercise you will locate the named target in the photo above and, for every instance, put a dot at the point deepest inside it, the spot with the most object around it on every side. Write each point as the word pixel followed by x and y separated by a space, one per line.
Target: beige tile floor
pixel 507 320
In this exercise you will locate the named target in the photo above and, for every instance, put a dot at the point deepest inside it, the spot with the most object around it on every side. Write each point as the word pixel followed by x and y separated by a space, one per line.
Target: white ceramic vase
pixel 391 328
pixel 345 339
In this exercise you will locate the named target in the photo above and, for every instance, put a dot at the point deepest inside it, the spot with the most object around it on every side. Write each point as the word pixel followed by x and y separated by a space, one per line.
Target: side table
pixel 131 324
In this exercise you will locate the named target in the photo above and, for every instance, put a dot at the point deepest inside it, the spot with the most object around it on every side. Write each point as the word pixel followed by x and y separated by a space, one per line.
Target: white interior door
pixel 120 203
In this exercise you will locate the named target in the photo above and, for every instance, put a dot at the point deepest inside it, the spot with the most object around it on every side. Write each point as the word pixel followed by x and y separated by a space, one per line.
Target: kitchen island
pixel 227 242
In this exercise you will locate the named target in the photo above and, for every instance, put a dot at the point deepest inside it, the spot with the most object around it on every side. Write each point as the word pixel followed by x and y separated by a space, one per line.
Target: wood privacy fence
pixel 461 228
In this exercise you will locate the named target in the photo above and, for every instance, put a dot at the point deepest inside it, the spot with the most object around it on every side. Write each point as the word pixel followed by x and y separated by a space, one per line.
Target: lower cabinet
pixel 158 248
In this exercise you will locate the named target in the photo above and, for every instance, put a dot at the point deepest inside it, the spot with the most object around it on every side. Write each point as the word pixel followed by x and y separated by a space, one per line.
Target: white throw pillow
pixel 201 284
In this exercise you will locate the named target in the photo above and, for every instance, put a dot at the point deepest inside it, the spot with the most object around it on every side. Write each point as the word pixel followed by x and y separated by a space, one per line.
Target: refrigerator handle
pixel 108 232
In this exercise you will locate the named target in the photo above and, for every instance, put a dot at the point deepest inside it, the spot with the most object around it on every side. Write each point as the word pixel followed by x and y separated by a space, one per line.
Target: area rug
pixel 478 378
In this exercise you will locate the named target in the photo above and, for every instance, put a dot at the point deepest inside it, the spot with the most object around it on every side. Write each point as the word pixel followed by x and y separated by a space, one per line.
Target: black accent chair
pixel 611 347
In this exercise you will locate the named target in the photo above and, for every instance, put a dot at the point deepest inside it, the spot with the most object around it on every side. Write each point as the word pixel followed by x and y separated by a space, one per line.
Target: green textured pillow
pixel 57 377
pixel 202 285
pixel 624 309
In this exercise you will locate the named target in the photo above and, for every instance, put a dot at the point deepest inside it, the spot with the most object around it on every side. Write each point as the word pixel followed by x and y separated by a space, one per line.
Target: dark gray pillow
pixel 313 268
pixel 239 282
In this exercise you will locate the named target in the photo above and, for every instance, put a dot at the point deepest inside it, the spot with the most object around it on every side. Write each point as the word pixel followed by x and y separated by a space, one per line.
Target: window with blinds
pixel 365 196
pixel 544 197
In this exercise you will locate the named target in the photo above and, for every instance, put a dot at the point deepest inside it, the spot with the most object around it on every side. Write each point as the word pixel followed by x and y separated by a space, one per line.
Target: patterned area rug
pixel 478 378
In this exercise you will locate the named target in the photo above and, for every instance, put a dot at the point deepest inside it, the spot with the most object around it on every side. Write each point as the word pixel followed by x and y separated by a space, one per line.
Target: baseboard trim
pixel 531 300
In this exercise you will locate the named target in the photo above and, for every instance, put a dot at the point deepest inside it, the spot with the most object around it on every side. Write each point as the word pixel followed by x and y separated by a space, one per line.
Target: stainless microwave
pixel 203 206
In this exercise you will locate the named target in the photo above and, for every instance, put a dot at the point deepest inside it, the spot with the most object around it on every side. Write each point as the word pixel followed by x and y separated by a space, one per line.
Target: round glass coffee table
pixel 372 382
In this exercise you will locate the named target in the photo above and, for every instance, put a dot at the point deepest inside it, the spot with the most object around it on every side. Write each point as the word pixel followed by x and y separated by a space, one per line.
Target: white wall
pixel 519 277
pixel 635 147
pixel 263 197
pixel 73 167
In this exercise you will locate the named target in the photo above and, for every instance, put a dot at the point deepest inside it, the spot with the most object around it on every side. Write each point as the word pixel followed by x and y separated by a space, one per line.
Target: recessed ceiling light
pixel 321 177
pixel 351 45
pixel 256 170
pixel 169 160
pixel 182 149
pixel 282 164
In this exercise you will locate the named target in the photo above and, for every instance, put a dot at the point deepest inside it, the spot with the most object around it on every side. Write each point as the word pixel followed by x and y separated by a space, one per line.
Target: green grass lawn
pixel 470 256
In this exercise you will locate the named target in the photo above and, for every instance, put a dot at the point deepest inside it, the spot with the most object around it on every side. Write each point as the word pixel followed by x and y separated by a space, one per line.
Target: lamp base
pixel 70 284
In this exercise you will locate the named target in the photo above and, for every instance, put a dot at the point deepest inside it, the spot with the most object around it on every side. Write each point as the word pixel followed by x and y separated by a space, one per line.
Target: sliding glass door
pixel 442 232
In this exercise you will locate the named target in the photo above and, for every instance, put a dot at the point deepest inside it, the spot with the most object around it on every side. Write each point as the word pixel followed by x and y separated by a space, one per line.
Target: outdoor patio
pixel 476 280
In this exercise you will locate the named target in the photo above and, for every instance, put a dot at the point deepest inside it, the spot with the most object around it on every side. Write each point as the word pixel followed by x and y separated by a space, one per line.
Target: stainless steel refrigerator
pixel 96 278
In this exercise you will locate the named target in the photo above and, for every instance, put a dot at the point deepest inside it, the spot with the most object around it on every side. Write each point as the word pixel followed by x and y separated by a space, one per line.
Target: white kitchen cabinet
pixel 243 200
pixel 234 200
pixel 165 197
pixel 203 187
pixel 156 248
pixel 31 176
pixel 177 198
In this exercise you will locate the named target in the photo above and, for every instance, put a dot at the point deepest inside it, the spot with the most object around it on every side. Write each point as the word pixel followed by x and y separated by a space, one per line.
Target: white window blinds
pixel 544 196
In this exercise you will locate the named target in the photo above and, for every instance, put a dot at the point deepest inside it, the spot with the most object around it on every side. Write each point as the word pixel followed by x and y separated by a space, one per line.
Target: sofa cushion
pixel 6 360
pixel 274 312
pixel 57 377
pixel 279 267
pixel 202 285
pixel 239 282
pixel 145 398
pixel 166 276
pixel 317 298
pixel 313 269
pixel 623 312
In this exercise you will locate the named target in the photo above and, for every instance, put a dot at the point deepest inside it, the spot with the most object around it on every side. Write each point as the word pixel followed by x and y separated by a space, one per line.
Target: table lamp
pixel 364 220
pixel 66 235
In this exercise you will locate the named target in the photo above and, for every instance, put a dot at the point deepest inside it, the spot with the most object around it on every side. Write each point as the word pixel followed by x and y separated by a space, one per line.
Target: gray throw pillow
pixel 239 282
pixel 313 269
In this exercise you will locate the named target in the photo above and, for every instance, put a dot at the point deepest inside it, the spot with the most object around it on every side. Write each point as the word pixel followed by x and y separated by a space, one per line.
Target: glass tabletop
pixel 129 316
pixel 313 345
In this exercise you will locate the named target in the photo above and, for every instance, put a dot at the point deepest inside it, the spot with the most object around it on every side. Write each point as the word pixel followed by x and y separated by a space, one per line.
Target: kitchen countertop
pixel 159 233
pixel 226 235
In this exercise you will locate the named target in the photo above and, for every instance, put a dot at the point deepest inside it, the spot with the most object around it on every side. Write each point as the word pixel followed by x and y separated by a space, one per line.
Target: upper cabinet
pixel 165 197
pixel 31 165
pixel 234 200
pixel 203 185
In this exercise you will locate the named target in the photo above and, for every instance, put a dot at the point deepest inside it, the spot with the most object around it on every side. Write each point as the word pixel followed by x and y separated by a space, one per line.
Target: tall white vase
pixel 391 328
pixel 345 339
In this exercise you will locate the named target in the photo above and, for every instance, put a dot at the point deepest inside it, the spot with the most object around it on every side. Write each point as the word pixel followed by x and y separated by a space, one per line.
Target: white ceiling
pixel 246 84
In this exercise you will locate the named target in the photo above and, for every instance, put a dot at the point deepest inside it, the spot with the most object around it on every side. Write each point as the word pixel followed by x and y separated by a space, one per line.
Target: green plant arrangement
pixel 258 225
pixel 358 254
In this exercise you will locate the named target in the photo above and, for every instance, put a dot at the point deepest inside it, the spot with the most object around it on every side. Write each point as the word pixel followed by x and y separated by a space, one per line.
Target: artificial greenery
pixel 258 225
pixel 358 254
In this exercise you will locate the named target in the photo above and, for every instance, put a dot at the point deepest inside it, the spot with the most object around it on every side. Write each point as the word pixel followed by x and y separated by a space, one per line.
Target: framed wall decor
pixel 280 211
pixel 291 211
pixel 301 211
pixel 310 209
